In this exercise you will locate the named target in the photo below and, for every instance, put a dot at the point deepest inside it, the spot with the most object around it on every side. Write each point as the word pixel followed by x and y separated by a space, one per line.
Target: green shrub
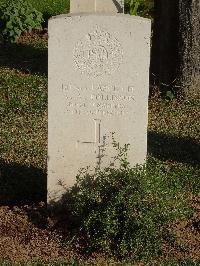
pixel 124 211
pixel 18 17
pixel 143 8
pixel 51 7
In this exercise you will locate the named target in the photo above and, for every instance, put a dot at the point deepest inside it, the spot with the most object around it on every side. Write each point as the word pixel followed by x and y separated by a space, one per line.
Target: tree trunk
pixel 189 52
pixel 176 46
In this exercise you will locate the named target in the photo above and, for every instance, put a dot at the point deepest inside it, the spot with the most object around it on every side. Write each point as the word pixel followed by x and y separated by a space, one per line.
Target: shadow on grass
pixel 182 150
pixel 21 185
pixel 24 185
pixel 25 58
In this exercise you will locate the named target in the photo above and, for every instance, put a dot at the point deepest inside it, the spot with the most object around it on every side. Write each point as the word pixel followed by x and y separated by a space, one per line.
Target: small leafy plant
pixel 18 17
pixel 142 8
pixel 124 211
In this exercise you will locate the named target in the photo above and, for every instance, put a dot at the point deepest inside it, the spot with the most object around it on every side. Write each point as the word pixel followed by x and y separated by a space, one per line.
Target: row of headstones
pixel 98 85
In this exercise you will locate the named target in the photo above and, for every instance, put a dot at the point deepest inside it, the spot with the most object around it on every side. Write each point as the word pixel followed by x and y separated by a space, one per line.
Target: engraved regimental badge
pixel 98 53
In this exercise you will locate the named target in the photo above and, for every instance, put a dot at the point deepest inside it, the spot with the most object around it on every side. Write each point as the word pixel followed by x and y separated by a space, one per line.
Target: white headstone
pixel 105 6
pixel 98 84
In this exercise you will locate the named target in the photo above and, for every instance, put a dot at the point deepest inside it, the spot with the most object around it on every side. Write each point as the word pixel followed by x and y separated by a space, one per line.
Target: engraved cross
pixel 97 141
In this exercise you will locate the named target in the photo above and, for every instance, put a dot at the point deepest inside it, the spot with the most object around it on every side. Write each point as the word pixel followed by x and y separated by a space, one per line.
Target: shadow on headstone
pixel 24 57
pixel 20 185
pixel 165 147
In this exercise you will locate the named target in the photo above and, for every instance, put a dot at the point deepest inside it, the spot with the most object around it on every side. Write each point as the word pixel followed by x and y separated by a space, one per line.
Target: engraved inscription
pixel 98 53
pixel 99 100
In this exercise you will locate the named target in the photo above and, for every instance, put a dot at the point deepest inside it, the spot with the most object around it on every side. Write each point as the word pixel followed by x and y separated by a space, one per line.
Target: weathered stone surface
pixel 109 6
pixel 105 6
pixel 79 6
pixel 98 84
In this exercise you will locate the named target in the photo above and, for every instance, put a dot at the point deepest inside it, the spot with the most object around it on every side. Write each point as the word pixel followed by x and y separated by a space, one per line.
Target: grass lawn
pixel 173 145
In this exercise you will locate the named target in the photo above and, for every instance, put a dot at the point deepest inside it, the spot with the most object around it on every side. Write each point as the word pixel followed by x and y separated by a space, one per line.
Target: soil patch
pixel 25 236
pixel 185 236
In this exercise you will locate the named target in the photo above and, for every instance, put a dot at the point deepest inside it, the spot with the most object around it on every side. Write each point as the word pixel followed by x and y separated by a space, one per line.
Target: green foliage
pixel 124 211
pixel 143 8
pixel 18 17
pixel 188 262
pixel 170 95
pixel 51 7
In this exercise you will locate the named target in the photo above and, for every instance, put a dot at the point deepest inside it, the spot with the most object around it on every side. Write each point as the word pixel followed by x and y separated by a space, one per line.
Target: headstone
pixel 78 6
pixel 105 6
pixel 98 84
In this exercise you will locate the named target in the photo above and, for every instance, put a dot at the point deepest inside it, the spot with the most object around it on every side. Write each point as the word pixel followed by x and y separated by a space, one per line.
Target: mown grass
pixel 23 105
pixel 23 118
pixel 173 138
